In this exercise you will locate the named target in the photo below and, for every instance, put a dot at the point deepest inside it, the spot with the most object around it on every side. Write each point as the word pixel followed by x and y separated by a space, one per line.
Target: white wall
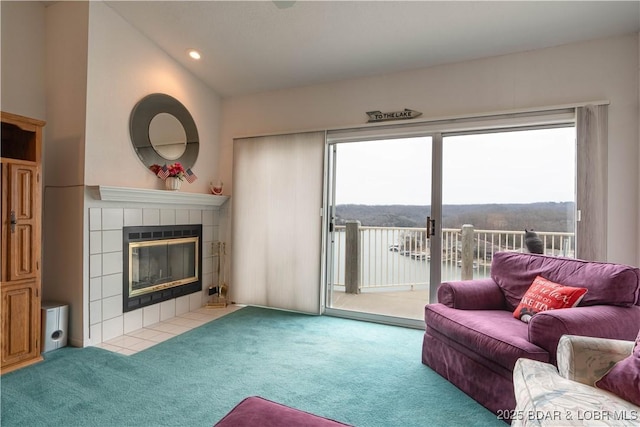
pixel 597 70
pixel 123 67
pixel 23 57
pixel 98 67
pixel 66 77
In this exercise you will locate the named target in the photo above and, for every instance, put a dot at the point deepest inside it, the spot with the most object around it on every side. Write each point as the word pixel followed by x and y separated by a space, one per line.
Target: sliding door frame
pixel 564 116
pixel 331 159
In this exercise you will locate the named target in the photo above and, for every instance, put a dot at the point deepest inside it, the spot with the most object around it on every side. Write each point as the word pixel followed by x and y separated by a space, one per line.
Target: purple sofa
pixel 256 411
pixel 473 340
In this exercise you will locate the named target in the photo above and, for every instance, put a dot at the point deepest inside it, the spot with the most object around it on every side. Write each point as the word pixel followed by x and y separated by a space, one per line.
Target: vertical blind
pixel 276 221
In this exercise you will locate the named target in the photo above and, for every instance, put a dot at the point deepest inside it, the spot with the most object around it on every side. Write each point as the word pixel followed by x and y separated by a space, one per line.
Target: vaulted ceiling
pixel 255 46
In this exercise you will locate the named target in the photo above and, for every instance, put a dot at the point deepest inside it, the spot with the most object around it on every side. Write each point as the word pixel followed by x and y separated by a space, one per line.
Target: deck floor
pixel 406 304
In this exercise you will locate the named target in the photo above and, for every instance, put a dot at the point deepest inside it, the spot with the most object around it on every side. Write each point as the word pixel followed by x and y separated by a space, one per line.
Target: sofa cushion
pixel 492 334
pixel 479 294
pixel 608 284
pixel 624 378
pixel 545 295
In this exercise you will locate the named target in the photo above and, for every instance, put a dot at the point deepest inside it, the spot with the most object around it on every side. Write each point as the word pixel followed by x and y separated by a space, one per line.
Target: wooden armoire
pixel 20 277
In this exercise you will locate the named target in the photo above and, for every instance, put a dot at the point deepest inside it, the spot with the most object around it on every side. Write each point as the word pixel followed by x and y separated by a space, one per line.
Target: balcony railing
pixel 396 258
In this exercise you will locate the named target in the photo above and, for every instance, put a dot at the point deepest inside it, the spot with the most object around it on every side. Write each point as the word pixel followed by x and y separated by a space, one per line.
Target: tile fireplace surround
pixel 111 209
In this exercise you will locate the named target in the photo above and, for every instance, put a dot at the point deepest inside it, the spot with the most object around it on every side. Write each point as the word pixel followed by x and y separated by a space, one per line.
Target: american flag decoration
pixel 163 173
pixel 190 176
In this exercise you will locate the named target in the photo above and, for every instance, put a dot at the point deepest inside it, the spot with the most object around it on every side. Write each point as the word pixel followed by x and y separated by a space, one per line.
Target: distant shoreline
pixel 541 216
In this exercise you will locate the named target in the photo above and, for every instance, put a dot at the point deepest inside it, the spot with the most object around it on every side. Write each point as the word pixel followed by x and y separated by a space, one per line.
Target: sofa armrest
pixel 544 398
pixel 602 321
pixel 480 294
pixel 587 359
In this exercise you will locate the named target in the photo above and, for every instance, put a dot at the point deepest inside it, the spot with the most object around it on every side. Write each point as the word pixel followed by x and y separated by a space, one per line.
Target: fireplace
pixel 160 263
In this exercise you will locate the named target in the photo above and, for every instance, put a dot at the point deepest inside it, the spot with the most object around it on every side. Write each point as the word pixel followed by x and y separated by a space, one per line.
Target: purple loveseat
pixel 256 411
pixel 473 340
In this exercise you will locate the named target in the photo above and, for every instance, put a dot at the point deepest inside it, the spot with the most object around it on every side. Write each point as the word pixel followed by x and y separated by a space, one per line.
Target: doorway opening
pixel 399 208
pixel 380 253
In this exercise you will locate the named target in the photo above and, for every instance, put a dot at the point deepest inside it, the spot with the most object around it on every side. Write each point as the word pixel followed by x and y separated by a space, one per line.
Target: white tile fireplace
pixel 113 208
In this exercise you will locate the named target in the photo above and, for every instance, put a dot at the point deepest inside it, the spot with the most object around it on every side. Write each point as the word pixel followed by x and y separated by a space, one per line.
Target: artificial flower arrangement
pixel 175 170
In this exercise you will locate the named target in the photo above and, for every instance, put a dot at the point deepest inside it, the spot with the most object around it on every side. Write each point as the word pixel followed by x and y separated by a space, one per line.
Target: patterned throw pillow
pixel 623 379
pixel 545 295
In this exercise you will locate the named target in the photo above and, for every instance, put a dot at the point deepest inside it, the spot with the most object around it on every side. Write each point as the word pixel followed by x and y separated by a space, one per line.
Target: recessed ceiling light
pixel 194 54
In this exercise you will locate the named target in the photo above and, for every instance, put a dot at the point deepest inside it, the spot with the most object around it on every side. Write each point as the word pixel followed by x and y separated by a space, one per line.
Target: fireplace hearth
pixel 160 263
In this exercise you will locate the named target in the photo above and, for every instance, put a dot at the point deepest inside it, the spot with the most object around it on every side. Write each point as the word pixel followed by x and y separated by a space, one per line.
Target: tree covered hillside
pixel 547 216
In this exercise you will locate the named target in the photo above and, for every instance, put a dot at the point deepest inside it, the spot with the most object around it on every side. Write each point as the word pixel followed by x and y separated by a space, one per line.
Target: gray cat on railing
pixel 533 242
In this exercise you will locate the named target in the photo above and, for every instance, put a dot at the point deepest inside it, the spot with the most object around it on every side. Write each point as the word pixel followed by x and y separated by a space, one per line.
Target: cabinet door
pixel 20 314
pixel 23 212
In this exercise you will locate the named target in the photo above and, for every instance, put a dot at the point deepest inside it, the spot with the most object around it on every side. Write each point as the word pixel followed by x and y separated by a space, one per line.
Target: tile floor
pixel 151 335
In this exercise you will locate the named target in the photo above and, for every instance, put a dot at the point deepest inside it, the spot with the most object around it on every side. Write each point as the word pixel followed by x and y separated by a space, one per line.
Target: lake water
pixel 382 267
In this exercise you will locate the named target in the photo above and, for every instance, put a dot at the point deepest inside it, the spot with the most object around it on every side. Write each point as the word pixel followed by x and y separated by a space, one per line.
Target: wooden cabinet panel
pixel 21 247
pixel 20 320
pixel 23 209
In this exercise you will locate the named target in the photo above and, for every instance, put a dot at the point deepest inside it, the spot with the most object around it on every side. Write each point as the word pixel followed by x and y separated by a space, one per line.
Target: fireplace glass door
pixel 161 264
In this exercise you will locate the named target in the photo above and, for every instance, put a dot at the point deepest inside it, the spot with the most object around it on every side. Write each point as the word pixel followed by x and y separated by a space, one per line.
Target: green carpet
pixel 360 373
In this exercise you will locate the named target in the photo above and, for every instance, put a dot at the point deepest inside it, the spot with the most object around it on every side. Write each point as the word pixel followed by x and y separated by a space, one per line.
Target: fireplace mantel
pixel 143 195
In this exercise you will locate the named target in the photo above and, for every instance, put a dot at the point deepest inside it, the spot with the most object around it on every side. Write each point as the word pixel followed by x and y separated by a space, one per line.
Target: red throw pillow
pixel 545 295
pixel 624 378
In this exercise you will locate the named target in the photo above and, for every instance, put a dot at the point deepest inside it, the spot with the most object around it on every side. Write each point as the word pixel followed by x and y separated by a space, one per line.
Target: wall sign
pixel 379 116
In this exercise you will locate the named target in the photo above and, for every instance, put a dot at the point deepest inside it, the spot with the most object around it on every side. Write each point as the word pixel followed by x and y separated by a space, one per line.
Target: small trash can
pixel 55 323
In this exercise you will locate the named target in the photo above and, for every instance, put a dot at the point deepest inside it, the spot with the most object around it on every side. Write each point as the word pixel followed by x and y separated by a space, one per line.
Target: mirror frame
pixel 142 114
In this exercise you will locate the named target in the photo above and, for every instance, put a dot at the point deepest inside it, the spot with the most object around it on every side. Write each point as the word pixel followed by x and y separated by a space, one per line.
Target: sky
pixel 505 167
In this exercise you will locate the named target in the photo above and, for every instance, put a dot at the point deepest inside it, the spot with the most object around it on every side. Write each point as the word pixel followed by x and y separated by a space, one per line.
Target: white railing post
pixel 352 257
pixel 467 252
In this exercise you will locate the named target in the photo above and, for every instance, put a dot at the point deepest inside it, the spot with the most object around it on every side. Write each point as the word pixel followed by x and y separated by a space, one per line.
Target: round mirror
pixel 162 132
pixel 167 136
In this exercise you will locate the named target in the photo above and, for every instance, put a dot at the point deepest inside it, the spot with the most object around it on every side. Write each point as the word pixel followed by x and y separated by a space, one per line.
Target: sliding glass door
pixel 500 187
pixel 412 205
pixel 379 250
